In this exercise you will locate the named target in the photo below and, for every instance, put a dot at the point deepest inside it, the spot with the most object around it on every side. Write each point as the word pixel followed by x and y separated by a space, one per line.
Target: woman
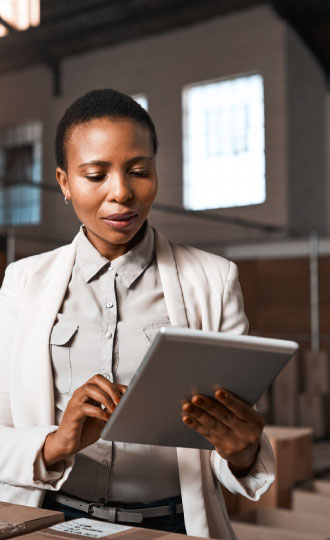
pixel 77 321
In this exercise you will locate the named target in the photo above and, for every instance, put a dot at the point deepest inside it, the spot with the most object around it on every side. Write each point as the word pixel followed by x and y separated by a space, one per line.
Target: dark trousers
pixel 172 523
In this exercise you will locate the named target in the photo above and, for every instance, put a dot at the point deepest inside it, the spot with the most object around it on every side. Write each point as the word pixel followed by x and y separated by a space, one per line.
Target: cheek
pixel 86 200
pixel 148 193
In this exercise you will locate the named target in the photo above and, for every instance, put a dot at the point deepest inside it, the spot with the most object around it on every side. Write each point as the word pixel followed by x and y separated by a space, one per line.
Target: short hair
pixel 105 103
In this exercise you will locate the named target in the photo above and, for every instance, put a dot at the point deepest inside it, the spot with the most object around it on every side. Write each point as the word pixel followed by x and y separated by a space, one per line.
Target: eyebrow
pixel 106 163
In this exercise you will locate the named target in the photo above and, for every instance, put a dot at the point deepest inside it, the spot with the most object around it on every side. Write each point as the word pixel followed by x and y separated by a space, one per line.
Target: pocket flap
pixel 152 330
pixel 63 333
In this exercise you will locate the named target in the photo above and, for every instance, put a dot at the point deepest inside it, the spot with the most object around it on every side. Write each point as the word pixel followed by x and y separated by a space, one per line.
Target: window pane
pixel 20 13
pixel 20 174
pixel 224 157
pixel 142 100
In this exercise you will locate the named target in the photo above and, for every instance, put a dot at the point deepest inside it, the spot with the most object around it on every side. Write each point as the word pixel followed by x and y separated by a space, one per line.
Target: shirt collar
pixel 128 267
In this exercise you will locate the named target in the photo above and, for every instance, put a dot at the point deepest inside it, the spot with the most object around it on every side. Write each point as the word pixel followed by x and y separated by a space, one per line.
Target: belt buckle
pixel 91 505
pixel 109 512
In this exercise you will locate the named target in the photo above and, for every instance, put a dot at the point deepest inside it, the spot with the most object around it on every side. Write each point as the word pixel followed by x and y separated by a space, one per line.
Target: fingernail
pixel 199 400
pixel 187 407
pixel 187 420
pixel 222 395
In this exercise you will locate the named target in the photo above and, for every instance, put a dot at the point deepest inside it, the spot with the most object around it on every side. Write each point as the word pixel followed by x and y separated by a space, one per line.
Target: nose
pixel 119 187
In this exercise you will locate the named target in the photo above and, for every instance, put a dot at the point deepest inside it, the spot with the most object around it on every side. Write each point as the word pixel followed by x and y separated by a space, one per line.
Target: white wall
pixel 306 137
pixel 159 66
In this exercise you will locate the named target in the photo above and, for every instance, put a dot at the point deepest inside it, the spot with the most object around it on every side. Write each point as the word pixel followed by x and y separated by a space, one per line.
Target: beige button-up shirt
pixel 110 315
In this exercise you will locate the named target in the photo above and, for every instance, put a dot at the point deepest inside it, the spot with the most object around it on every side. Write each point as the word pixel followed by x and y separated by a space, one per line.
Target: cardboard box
pixel 321 459
pixel 285 408
pixel 231 500
pixel 286 522
pixel 285 390
pixel 247 531
pixel 263 406
pixel 314 412
pixel 290 378
pixel 316 371
pixel 312 497
pixel 16 519
pixel 292 447
pixel 78 529
pixel 321 486
pixel 293 463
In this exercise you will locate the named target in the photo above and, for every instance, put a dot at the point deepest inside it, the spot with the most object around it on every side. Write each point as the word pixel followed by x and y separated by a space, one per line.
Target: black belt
pixel 113 513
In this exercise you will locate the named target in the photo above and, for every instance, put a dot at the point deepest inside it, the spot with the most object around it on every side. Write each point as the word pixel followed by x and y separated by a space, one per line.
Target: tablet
pixel 181 362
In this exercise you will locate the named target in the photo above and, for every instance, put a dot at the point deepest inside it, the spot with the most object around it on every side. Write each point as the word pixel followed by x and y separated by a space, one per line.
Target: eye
pixel 96 177
pixel 140 173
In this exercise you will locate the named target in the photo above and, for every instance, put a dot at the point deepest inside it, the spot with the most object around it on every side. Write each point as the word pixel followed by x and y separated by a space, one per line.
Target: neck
pixel 113 251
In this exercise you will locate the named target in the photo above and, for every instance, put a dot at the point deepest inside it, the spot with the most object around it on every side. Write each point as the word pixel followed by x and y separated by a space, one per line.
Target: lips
pixel 121 220
pixel 121 216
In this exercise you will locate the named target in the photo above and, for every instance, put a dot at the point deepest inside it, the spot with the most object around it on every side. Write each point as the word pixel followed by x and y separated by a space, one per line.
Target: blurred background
pixel 239 93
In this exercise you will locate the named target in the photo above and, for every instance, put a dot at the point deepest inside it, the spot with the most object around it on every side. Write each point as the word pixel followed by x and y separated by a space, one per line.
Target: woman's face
pixel 111 179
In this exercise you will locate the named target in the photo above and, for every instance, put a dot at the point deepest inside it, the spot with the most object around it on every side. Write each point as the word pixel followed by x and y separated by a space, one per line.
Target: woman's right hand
pixel 87 412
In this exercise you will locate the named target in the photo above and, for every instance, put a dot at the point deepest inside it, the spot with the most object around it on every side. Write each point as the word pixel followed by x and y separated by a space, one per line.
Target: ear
pixel 62 178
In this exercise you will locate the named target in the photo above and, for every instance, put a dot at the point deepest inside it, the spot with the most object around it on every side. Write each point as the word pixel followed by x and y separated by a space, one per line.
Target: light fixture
pixel 20 14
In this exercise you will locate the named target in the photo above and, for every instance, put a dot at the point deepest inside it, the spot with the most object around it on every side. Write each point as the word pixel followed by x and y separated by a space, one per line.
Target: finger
pixel 114 390
pixel 95 412
pixel 248 429
pixel 207 420
pixel 204 431
pixel 97 395
pixel 240 408
pixel 226 441
pixel 242 433
pixel 122 389
pixel 115 395
pixel 214 408
pixel 240 430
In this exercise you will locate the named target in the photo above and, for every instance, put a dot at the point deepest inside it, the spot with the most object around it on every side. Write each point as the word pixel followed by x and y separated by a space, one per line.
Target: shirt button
pixel 109 335
pixel 110 267
pixel 109 305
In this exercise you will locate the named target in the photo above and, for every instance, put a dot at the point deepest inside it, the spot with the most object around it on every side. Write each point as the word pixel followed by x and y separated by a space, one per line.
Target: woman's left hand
pixel 231 425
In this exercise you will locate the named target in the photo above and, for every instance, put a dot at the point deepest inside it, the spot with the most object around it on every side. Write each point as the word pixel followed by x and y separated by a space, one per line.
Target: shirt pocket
pixel 60 341
pixel 151 331
pixel 134 340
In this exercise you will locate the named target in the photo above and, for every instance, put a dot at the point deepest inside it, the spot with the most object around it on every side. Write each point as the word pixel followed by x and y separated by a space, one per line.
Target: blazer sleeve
pixel 21 458
pixel 7 332
pixel 262 475
pixel 233 319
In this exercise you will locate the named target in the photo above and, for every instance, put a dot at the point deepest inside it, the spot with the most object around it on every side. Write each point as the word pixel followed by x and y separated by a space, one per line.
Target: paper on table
pixel 89 527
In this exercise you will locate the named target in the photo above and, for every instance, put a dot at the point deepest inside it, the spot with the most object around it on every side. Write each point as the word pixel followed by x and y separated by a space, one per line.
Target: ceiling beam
pixel 40 54
pixel 135 20
pixel 301 26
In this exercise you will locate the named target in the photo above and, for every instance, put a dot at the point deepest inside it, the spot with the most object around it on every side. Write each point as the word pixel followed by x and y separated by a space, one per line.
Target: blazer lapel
pixel 189 459
pixel 170 281
pixel 32 388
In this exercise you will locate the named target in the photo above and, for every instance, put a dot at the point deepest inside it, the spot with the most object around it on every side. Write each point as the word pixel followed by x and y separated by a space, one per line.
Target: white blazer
pixel 201 290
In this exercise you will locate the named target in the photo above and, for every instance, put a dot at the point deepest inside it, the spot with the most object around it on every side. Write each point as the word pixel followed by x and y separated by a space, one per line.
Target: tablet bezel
pixel 125 418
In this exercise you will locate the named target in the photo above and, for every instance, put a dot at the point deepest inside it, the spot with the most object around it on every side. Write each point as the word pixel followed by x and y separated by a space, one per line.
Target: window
pixel 223 131
pixel 142 100
pixel 21 14
pixel 20 174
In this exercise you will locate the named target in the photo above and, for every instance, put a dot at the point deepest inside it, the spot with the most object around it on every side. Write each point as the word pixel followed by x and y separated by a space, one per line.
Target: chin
pixel 119 237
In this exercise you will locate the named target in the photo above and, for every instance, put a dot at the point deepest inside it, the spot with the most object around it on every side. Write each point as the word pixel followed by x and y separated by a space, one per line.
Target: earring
pixel 67 201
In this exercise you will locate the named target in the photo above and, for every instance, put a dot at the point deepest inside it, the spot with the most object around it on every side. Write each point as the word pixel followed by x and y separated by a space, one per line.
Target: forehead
pixel 107 134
